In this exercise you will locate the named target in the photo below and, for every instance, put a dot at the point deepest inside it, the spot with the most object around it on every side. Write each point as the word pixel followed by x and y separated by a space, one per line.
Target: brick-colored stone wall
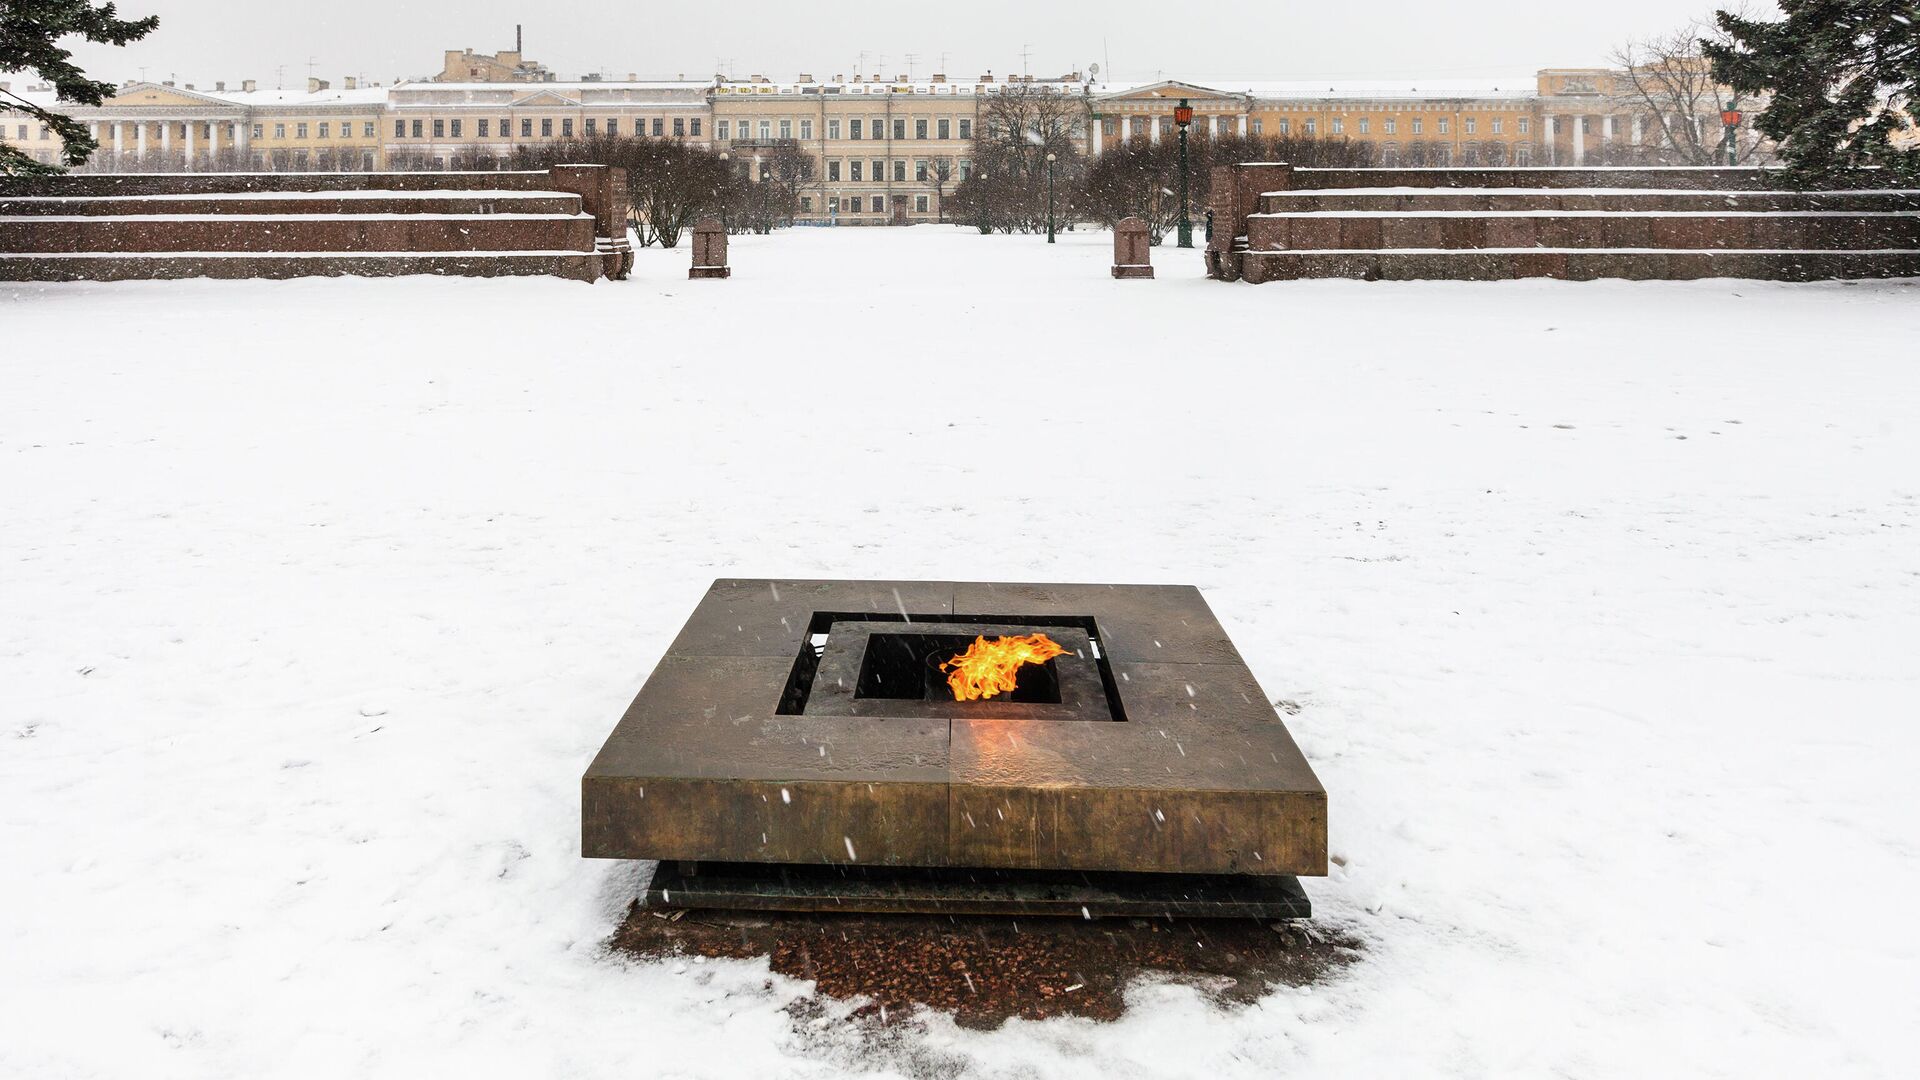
pixel 103 184
pixel 108 226
pixel 1477 223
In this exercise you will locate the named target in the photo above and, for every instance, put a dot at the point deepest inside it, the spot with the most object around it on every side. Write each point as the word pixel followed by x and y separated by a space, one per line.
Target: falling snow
pixel 1574 690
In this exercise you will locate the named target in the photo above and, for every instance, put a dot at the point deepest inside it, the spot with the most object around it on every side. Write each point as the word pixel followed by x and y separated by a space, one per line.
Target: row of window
pixel 326 130
pixel 856 128
pixel 859 204
pixel 328 160
pixel 1225 125
pixel 484 128
pixel 857 171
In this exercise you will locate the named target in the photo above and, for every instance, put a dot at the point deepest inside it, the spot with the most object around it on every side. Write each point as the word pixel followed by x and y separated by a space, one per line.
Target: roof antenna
pixel 519 45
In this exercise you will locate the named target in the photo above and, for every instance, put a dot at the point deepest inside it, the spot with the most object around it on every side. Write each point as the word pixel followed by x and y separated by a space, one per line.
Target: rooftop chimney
pixel 633 76
pixel 353 82
pixel 805 78
pixel 219 88
pixel 314 85
pixel 988 77
pixel 517 46
pixel 249 86
pixel 166 82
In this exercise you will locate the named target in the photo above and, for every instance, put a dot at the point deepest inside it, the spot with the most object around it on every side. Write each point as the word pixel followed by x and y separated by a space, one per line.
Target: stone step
pixel 296 203
pixel 1575 264
pixel 1400 200
pixel 1796 230
pixel 131 184
pixel 141 266
pixel 1662 178
pixel 294 233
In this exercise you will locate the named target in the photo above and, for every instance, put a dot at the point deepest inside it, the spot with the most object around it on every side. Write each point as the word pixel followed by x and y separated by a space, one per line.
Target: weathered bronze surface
pixel 749 742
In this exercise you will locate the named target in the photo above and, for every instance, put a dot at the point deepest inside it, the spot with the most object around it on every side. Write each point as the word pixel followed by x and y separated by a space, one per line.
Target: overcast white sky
pixel 203 40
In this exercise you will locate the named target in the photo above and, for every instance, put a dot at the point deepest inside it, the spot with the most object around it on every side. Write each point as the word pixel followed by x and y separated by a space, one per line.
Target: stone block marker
pixel 710 250
pixel 1130 249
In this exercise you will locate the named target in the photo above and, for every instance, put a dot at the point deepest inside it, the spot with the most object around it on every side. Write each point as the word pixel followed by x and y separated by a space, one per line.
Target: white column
pixel 140 138
pixel 1099 136
pixel 1579 139
pixel 1242 123
pixel 1606 128
pixel 213 144
pixel 190 145
pixel 166 137
pixel 1153 127
pixel 1637 133
pixel 117 136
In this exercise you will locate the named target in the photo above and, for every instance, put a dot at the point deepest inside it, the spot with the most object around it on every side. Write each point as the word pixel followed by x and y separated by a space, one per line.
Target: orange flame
pixel 992 667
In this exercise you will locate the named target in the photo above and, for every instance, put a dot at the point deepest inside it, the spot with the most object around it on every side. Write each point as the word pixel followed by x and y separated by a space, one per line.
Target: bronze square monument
pixel 806 724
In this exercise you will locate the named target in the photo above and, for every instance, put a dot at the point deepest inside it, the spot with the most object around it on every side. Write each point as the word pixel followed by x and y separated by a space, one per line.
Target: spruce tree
pixel 30 33
pixel 1840 76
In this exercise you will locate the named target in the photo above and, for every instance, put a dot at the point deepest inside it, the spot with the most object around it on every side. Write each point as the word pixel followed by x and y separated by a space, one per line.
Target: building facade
pixel 465 65
pixel 162 127
pixel 879 152
pixel 433 125
pixel 875 151
pixel 1434 124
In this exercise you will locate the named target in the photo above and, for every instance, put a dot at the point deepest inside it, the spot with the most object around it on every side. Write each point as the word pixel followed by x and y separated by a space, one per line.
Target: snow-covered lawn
pixel 1601 604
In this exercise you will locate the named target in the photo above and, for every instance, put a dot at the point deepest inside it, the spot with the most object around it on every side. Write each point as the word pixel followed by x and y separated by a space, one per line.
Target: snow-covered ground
pixel 1601 603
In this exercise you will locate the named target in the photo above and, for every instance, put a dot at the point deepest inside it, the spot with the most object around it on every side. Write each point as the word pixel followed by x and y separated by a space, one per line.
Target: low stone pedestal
pixel 1130 249
pixel 710 250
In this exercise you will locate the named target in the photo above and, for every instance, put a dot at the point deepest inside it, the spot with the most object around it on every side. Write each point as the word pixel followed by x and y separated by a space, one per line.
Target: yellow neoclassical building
pixel 430 125
pixel 1413 123
pixel 881 151
pixel 163 127
pixel 1558 116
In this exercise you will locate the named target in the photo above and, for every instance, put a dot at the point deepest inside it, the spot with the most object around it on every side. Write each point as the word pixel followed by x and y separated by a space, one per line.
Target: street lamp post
pixel 1183 117
pixel 980 196
pixel 726 190
pixel 1730 121
pixel 1050 160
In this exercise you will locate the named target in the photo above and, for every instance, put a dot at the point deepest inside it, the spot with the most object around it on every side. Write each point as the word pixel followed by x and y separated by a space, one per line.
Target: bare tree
pixel 939 174
pixel 1135 179
pixel 1019 128
pixel 1667 82
pixel 785 171
pixel 670 184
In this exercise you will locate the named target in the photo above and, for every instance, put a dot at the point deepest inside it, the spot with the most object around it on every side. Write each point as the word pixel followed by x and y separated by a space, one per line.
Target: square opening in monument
pixel 907 667
pixel 882 664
